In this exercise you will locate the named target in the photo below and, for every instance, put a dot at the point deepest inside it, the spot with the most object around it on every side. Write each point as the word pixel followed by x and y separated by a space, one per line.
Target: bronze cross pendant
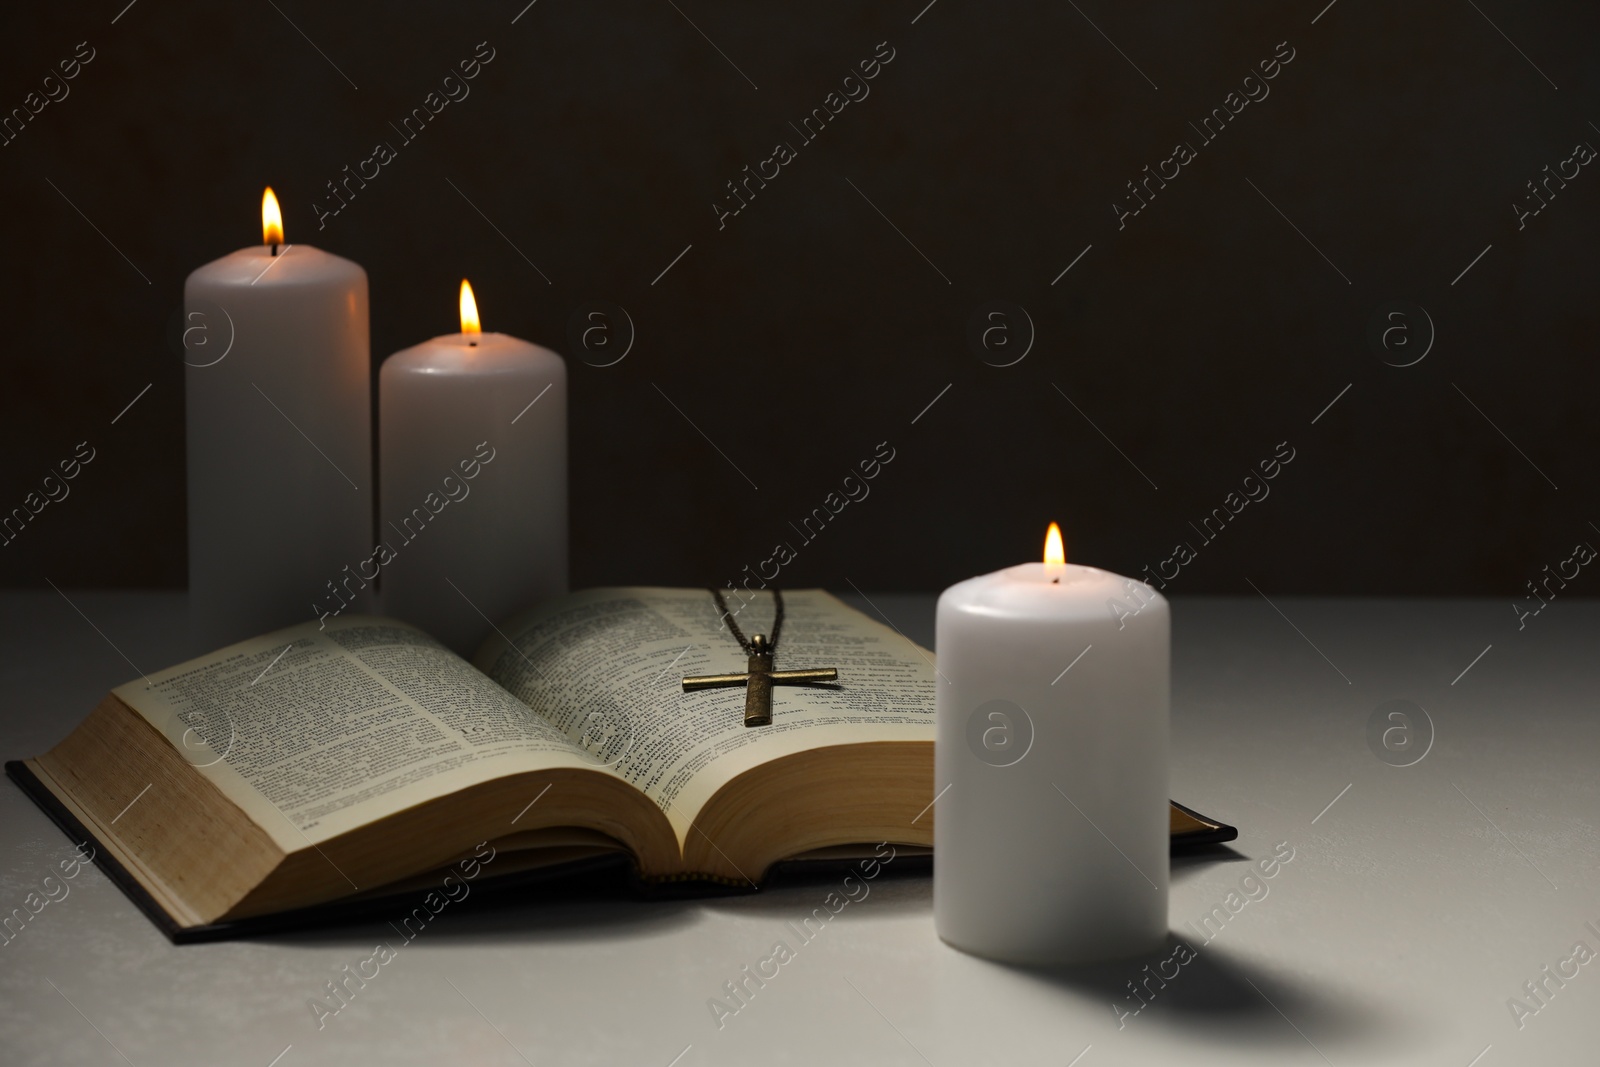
pixel 758 681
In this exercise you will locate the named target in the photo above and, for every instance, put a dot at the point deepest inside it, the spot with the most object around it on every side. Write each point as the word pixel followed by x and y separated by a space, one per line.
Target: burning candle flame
pixel 271 219
pixel 469 310
pixel 1055 552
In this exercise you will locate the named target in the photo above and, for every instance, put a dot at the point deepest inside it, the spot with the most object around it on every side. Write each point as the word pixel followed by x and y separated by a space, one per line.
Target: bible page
pixel 315 731
pixel 606 666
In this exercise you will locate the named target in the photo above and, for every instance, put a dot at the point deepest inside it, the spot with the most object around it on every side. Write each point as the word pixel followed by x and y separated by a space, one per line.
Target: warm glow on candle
pixel 469 310
pixel 1054 551
pixel 271 219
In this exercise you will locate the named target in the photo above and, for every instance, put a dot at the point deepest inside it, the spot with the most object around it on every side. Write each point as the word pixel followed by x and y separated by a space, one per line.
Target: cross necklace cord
pixel 759 677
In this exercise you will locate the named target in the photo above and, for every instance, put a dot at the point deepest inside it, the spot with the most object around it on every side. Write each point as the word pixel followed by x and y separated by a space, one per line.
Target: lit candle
pixel 278 388
pixel 1051 834
pixel 472 434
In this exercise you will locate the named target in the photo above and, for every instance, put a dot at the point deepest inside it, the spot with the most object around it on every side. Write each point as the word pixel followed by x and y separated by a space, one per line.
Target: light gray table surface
pixel 1415 906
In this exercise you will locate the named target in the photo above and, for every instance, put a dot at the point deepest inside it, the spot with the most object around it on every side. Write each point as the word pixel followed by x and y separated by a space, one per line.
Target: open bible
pixel 355 759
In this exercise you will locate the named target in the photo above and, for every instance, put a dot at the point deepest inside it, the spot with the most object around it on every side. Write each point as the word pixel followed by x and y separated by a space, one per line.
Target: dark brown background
pixel 809 330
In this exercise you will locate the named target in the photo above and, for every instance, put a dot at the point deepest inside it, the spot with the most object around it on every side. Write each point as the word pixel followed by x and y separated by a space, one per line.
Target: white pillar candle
pixel 1051 834
pixel 278 403
pixel 472 432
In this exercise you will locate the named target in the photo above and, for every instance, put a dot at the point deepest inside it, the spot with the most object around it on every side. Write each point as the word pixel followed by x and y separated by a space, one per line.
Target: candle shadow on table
pixel 1217 995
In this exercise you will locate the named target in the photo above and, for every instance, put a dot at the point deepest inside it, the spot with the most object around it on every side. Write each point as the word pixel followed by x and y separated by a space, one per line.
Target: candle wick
pixel 472 344
pixel 1055 581
pixel 274 249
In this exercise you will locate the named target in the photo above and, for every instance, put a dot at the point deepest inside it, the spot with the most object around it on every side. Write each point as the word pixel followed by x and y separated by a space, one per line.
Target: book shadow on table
pixel 604 902
pixel 601 903
pixel 1188 861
